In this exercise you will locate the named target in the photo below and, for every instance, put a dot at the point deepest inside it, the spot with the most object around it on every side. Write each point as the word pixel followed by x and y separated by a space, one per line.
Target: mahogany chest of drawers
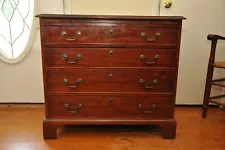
pixel 117 70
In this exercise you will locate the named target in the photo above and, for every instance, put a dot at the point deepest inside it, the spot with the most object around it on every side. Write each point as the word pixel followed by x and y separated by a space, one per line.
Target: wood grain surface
pixel 21 128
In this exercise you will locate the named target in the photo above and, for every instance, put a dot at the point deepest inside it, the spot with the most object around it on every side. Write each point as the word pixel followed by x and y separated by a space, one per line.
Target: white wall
pixel 125 7
pixel 23 82
pixel 203 17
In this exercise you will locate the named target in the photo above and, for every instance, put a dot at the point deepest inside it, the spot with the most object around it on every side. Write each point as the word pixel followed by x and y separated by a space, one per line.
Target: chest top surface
pixel 108 17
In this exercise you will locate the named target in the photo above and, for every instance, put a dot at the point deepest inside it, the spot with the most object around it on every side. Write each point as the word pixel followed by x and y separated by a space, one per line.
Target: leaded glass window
pixel 16 19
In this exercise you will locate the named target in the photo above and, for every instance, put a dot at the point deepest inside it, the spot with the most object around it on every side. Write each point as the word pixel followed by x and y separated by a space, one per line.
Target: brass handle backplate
pixel 65 35
pixel 111 32
pixel 67 106
pixel 110 101
pixel 140 106
pixel 110 76
pixel 145 36
pixel 154 82
pixel 65 58
pixel 149 62
pixel 111 53
pixel 78 82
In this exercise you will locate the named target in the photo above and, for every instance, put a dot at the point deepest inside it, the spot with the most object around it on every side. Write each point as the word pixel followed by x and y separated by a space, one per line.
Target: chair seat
pixel 219 64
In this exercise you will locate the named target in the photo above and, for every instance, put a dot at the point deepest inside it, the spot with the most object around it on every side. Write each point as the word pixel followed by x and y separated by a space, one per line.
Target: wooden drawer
pixel 109 35
pixel 110 80
pixel 100 107
pixel 111 23
pixel 110 57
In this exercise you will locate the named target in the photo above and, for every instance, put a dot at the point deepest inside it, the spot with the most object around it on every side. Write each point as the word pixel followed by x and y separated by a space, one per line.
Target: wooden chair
pixel 209 79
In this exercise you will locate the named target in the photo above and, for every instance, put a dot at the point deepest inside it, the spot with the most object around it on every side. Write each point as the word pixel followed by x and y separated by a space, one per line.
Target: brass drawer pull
pixel 65 35
pixel 66 82
pixel 65 58
pixel 67 106
pixel 140 106
pixel 145 36
pixel 154 82
pixel 149 62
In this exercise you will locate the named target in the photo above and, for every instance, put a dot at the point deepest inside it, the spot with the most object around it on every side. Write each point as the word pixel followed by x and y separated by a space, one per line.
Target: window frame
pixel 30 42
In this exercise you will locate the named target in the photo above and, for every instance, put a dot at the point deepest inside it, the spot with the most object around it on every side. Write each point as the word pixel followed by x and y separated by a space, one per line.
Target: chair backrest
pixel 213 38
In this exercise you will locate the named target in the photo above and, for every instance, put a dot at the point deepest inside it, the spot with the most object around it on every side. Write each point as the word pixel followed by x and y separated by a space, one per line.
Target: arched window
pixel 16 22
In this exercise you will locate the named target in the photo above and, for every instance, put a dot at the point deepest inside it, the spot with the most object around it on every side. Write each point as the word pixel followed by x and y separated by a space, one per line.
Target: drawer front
pixel 110 57
pixel 106 35
pixel 149 23
pixel 100 107
pixel 110 80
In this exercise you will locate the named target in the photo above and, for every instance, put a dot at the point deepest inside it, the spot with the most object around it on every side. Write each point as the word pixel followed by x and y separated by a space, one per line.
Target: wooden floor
pixel 21 129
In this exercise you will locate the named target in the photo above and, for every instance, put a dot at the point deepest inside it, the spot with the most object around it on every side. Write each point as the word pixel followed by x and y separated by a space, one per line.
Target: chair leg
pixel 207 90
pixel 209 76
